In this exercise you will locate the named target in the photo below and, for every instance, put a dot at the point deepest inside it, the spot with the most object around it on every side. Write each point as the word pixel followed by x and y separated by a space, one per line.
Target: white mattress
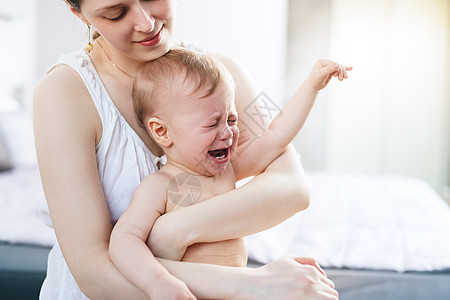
pixel 21 193
pixel 354 220
pixel 366 222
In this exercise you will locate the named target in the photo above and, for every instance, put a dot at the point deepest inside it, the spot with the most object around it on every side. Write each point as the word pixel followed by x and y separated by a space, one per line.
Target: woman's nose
pixel 144 20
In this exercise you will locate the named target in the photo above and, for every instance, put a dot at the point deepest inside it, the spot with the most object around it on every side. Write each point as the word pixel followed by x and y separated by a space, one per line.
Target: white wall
pixel 392 116
pixel 57 31
pixel 16 60
pixel 252 31
pixel 397 109
pixel 308 41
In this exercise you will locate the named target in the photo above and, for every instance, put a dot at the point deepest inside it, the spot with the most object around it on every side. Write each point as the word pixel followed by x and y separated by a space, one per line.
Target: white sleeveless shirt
pixel 123 160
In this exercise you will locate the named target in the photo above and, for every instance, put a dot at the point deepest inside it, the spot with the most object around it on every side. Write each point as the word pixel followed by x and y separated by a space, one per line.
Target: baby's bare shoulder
pixel 156 181
pixel 150 195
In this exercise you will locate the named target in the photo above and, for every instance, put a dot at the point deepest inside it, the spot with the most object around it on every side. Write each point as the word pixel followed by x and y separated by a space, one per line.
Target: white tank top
pixel 123 160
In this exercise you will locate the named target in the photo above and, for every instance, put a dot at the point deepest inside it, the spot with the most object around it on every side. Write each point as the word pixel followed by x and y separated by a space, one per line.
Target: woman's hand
pixel 291 278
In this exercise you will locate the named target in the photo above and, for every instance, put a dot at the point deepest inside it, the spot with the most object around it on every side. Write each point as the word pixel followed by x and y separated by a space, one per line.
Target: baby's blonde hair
pixel 156 79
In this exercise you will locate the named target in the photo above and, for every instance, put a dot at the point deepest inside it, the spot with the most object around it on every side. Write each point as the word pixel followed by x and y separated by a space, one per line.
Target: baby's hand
pixel 323 71
pixel 169 287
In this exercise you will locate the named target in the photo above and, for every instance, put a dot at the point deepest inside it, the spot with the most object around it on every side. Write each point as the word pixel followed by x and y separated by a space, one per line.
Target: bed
pixel 377 236
pixel 24 240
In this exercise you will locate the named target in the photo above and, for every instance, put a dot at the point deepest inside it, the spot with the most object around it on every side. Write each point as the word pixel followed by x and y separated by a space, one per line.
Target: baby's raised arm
pixel 128 249
pixel 285 126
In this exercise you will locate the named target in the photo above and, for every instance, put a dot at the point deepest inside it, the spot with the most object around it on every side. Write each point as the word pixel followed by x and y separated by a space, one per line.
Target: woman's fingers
pixel 295 278
pixel 328 282
pixel 329 295
pixel 317 270
pixel 324 286
pixel 309 261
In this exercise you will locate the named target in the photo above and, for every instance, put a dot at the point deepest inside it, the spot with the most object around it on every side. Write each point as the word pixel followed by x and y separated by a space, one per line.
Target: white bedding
pixel 354 220
pixel 20 188
pixel 21 193
pixel 366 222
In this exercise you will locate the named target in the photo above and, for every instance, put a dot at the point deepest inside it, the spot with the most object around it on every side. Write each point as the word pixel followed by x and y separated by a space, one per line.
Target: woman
pixel 92 154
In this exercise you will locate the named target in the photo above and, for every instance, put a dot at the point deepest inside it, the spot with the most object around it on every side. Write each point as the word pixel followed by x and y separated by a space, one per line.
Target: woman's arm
pixel 285 278
pixel 265 201
pixel 67 128
pixel 270 198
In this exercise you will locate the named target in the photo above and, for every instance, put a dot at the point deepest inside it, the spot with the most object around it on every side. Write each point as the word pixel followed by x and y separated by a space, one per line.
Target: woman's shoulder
pixel 60 77
pixel 63 83
pixel 227 60
pixel 240 74
pixel 64 74
pixel 62 91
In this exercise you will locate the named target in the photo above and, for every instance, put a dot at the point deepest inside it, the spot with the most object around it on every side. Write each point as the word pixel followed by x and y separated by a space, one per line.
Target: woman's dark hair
pixel 75 4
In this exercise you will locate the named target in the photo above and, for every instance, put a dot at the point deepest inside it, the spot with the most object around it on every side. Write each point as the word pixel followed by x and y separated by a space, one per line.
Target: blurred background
pixel 391 116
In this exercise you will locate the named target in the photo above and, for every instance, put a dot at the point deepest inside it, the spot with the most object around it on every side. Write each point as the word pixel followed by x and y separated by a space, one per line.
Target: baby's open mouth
pixel 219 153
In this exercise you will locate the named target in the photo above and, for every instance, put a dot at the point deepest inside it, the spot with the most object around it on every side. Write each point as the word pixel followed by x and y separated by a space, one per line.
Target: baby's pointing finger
pixel 342 73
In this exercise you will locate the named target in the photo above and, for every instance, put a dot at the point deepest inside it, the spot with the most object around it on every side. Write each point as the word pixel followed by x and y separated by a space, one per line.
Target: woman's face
pixel 141 30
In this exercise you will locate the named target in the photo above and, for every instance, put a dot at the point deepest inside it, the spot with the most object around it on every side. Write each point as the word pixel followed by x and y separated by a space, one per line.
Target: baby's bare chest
pixel 185 189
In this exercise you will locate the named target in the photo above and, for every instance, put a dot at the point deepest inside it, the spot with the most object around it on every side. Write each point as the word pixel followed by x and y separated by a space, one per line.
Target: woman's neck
pixel 120 62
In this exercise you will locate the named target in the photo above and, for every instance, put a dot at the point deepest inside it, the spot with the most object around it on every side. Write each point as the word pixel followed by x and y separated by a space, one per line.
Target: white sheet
pixel 354 220
pixel 366 222
pixel 16 128
pixel 20 195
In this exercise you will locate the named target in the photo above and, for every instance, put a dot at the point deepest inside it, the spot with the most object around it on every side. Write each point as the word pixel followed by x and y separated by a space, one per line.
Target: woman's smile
pixel 152 40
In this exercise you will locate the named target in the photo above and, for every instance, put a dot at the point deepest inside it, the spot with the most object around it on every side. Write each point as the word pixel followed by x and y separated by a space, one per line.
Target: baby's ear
pixel 159 132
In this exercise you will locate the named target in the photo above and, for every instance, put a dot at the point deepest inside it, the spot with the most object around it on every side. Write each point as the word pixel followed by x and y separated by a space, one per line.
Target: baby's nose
pixel 226 133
